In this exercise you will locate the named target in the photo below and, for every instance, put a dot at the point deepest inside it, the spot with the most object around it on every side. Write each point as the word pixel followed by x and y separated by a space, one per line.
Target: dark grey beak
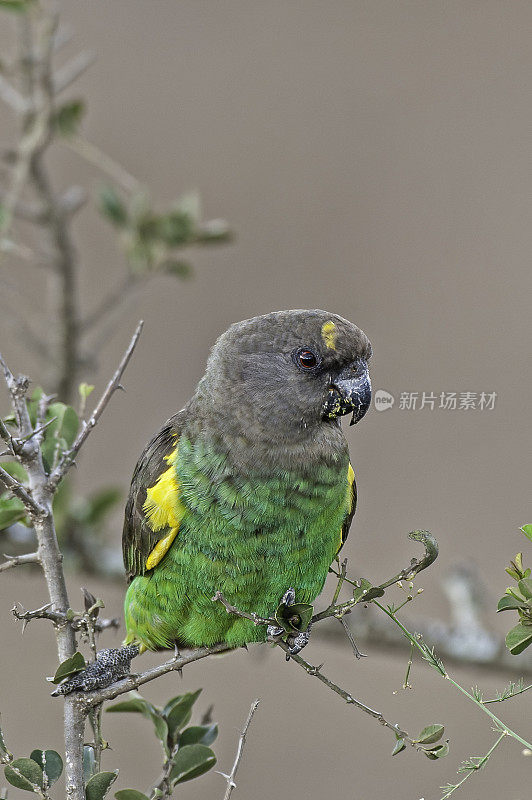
pixel 349 392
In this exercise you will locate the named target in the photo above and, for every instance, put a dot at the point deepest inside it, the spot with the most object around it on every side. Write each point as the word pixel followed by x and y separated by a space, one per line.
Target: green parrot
pixel 247 490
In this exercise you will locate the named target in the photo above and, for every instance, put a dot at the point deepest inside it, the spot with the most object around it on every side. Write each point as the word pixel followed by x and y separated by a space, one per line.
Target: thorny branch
pixel 239 751
pixel 60 618
pixel 68 456
pixel 38 503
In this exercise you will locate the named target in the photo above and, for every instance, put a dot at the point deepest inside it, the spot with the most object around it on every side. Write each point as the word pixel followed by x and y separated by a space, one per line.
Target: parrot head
pixel 287 372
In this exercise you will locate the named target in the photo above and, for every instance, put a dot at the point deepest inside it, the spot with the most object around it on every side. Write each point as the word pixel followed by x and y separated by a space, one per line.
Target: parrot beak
pixel 349 392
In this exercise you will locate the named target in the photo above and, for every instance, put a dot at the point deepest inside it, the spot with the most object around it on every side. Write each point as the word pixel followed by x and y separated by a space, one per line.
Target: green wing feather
pixel 142 529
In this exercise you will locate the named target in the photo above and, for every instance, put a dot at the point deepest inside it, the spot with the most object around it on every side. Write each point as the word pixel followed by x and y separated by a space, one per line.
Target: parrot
pixel 248 490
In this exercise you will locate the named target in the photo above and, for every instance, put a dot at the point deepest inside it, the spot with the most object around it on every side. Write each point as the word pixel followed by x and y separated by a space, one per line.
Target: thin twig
pixel 255 618
pixel 69 73
pixel 240 749
pixel 17 561
pixel 68 456
pixel 91 153
pixel 18 490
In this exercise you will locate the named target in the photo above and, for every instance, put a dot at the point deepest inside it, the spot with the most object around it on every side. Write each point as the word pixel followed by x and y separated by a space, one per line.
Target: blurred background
pixel 372 159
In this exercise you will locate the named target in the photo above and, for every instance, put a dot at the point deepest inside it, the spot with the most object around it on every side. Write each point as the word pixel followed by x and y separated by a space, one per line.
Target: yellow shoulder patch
pixel 164 509
pixel 328 334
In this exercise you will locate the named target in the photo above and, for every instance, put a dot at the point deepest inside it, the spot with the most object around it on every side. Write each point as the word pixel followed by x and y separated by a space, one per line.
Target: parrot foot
pixel 111 664
pixel 295 641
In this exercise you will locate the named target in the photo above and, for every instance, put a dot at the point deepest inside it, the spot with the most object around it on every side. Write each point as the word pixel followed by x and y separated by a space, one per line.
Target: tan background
pixel 374 159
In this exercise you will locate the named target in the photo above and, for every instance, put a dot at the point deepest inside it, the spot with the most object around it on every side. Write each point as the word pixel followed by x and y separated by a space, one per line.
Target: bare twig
pixel 66 76
pixel 91 153
pixel 255 618
pixel 76 621
pixel 68 457
pixel 11 97
pixel 17 561
pixel 240 749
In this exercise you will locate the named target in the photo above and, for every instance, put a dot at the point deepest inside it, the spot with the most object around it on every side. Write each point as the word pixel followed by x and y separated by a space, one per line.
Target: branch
pixel 88 700
pixel 17 561
pixel 91 153
pixel 240 749
pixel 68 456
pixel 16 489
pixel 77 621
pixel 68 74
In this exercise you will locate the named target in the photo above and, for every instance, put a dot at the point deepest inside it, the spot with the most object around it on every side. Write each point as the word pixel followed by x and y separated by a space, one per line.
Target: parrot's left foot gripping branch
pixel 111 665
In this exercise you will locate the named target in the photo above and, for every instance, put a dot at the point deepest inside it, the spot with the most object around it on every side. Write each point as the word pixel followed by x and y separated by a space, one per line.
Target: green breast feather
pixel 194 527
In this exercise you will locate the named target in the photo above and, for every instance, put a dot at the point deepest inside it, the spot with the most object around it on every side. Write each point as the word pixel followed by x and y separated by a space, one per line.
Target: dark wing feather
pixel 138 538
pixel 351 513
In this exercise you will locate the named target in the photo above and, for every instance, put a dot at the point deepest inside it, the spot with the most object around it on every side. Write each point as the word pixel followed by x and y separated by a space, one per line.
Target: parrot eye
pixel 306 359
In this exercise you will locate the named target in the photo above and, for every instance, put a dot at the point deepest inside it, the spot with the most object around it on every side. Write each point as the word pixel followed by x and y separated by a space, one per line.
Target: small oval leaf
pixel 440 751
pixel 191 761
pixel 519 638
pixel 50 762
pixel 71 666
pixel 24 773
pixel 399 747
pixel 99 785
pixel 509 603
pixel 130 794
pixel 430 734
pixel 527 530
pixel 199 734
pixel 179 712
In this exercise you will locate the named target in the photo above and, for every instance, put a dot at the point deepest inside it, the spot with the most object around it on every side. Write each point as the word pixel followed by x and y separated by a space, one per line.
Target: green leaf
pixel 519 638
pixel 16 470
pixel 89 762
pixel 130 794
pixel 113 207
pixel 23 773
pixel 67 118
pixel 11 510
pixel 399 747
pixel 199 734
pixel 191 761
pixel 137 703
pixel 60 433
pixel 71 666
pixel 440 751
pixel 173 229
pixel 85 389
pixel 5 755
pixel 179 711
pixel 16 6
pixel 50 762
pixel 525 587
pixel 508 603
pixel 430 734
pixel 99 785
pixel 134 703
pixel 527 530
